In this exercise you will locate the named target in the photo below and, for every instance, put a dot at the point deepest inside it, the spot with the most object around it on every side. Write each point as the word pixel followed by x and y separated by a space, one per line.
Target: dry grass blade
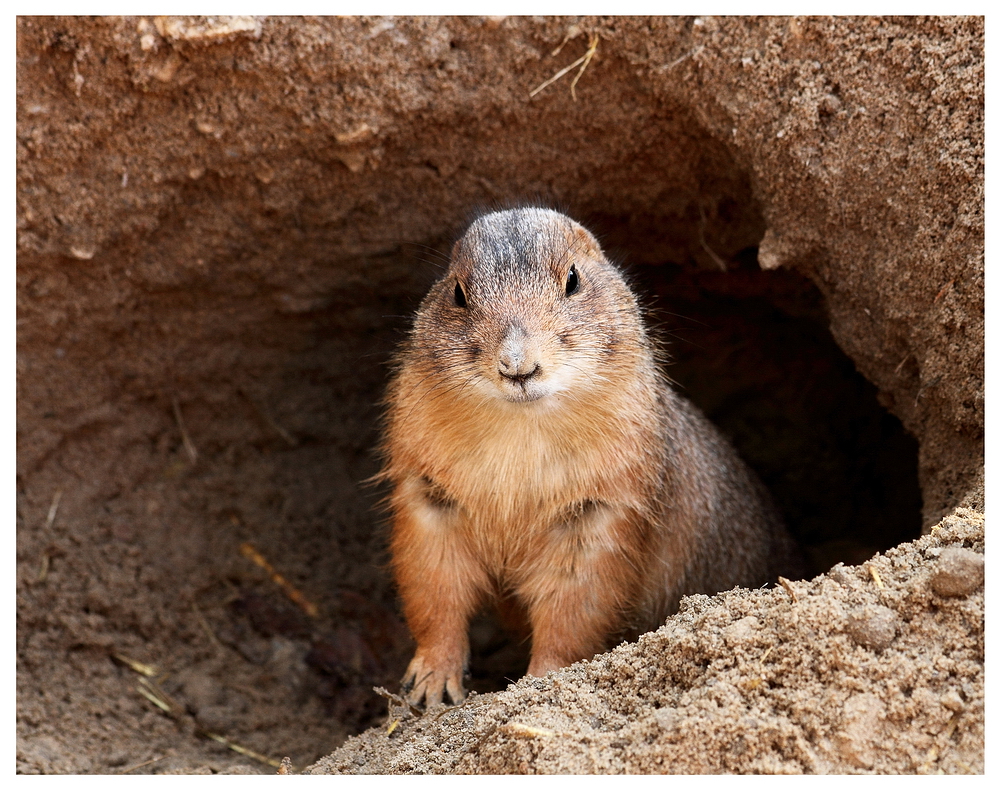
pixel 461 705
pixel 591 50
pixel 153 698
pixel 43 568
pixel 556 76
pixel 139 667
pixel 153 689
pixel 398 700
pixel 248 551
pixel 281 432
pixel 701 235
pixel 571 33
pixel 238 748
pixel 583 61
pixel 519 729
pixel 140 766
pixel 876 576
pixel 690 54
pixel 192 452
pixel 788 588
pixel 53 509
pixel 208 629
pixel 944 290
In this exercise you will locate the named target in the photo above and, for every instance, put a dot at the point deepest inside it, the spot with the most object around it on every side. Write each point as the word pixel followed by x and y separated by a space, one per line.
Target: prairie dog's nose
pixel 517 358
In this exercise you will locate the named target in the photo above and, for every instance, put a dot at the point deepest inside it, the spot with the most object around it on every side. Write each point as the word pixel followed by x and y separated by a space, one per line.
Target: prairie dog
pixel 538 455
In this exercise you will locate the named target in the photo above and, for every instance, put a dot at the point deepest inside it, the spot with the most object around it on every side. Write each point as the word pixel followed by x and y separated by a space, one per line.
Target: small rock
pixel 873 626
pixel 830 104
pixel 201 691
pixel 667 719
pixel 83 251
pixel 118 757
pixel 952 701
pixel 958 572
pixel 207 29
pixel 357 135
pixel 206 126
pixel 168 69
pixel 354 161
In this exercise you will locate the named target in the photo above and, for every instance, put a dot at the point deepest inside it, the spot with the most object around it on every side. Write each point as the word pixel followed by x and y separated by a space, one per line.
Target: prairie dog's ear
pixel 583 242
pixel 456 250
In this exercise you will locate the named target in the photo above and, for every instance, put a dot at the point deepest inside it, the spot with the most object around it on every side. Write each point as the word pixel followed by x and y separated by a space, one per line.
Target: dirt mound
pixel 831 676
pixel 223 225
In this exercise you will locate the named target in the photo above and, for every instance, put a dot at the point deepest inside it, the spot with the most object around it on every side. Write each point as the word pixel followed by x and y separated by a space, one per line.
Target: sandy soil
pixel 223 226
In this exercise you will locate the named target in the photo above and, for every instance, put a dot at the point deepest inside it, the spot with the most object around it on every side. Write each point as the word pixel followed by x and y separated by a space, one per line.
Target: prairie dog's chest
pixel 522 461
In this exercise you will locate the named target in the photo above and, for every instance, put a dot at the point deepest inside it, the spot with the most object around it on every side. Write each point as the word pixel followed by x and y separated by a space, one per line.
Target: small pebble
pixel 958 572
pixel 873 626
pixel 202 692
pixel 952 701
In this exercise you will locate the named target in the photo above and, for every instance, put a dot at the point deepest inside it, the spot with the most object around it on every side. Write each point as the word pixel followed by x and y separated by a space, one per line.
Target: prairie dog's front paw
pixel 428 682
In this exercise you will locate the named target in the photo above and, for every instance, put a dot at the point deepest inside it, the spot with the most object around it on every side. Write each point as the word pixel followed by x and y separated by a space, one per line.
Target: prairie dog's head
pixel 529 309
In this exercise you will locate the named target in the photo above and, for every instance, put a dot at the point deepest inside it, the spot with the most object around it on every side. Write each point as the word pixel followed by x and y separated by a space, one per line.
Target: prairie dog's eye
pixel 572 281
pixel 459 295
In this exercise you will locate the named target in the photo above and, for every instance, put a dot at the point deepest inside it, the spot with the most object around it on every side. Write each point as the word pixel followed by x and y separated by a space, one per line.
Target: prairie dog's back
pixel 721 512
pixel 537 451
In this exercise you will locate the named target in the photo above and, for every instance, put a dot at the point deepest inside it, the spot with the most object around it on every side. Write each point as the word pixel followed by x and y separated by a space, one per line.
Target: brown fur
pixel 578 485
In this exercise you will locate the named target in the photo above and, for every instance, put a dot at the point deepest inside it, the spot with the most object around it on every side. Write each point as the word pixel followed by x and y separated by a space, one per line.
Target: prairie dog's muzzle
pixel 518 358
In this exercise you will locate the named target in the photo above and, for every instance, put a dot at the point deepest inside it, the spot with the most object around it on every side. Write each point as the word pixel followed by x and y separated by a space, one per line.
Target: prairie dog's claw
pixel 426 683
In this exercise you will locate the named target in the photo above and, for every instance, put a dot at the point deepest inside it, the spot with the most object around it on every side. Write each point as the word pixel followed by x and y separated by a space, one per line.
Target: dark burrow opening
pixel 753 351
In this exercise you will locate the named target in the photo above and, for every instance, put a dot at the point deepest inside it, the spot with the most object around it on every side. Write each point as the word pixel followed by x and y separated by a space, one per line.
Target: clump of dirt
pixel 223 226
